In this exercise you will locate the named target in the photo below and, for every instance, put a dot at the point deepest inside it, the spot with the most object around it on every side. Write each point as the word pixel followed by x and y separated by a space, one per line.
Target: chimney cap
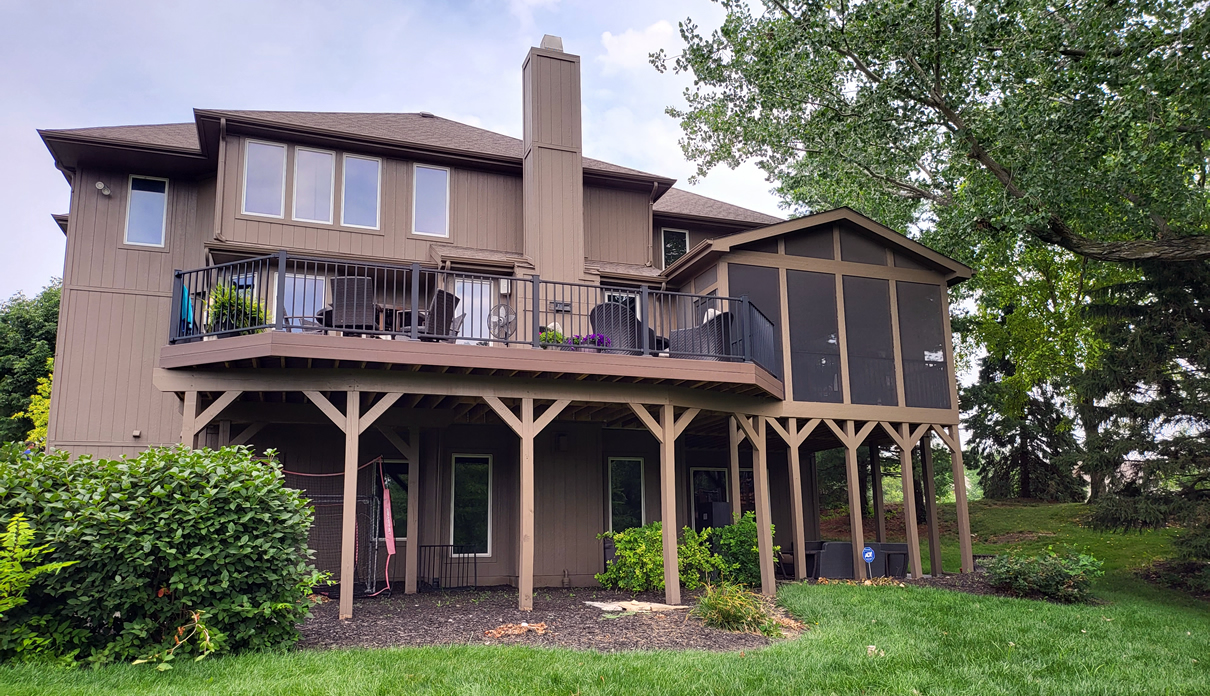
pixel 552 43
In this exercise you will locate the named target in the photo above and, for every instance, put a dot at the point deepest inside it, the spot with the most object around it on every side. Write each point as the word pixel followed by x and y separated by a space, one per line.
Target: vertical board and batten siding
pixel 113 319
pixel 485 213
pixel 569 504
pixel 617 225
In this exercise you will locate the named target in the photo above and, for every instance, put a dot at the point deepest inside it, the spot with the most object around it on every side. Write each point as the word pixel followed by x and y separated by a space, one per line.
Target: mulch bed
pixel 463 617
pixel 970 583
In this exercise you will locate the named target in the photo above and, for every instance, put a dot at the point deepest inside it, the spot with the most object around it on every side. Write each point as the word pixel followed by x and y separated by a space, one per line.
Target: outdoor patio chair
pixel 812 550
pixel 836 561
pixel 439 319
pixel 618 322
pixel 456 328
pixel 353 303
pixel 896 559
pixel 710 341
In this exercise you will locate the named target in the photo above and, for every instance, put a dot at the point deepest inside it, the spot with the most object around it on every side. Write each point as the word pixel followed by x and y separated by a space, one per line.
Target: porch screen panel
pixel 814 243
pixel 859 247
pixel 762 285
pixel 814 336
pixel 625 494
pixel 926 379
pixel 472 500
pixel 867 321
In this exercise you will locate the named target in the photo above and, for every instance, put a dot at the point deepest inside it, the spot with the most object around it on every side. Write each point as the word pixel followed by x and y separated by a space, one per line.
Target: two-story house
pixel 507 346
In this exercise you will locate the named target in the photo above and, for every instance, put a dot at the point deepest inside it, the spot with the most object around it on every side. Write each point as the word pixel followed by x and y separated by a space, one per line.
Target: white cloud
pixel 629 50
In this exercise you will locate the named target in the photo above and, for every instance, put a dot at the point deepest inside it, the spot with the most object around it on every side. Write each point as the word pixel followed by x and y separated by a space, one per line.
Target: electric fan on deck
pixel 502 322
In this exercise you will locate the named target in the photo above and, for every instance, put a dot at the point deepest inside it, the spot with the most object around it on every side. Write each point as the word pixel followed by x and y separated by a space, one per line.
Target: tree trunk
pixel 1023 467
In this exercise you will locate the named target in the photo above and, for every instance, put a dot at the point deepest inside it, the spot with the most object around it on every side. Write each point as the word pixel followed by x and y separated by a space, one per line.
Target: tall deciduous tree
pixel 1083 126
pixel 27 341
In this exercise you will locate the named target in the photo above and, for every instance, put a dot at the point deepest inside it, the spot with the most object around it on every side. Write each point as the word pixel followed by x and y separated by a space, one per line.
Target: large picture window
pixel 359 191
pixel 314 179
pixel 867 321
pixel 471 504
pixel 147 211
pixel 264 179
pixel 431 201
pixel 626 494
pixel 926 380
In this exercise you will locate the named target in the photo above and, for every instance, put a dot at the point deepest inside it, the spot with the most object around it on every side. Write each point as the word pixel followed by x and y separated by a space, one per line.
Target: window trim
pixel 642 487
pixel 449 174
pixel 398 538
pixel 491 465
pixel 163 223
pixel 295 274
pixel 663 242
pixel 331 189
pixel 344 158
pixel 285 167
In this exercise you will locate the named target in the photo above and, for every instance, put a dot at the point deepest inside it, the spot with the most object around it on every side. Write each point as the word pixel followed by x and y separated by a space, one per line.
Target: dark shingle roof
pixel 680 202
pixel 413 129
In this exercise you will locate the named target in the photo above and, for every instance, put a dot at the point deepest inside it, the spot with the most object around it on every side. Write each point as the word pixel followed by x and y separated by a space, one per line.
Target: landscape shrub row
pixel 1061 578
pixel 152 540
pixel 729 553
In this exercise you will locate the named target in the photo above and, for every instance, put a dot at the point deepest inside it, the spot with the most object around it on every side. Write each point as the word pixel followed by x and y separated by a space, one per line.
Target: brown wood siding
pixel 617 225
pixel 114 318
pixel 485 213
pixel 569 504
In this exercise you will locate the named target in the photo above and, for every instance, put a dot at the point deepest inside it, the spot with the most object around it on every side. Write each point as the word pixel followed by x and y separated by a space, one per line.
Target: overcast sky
pixel 70 64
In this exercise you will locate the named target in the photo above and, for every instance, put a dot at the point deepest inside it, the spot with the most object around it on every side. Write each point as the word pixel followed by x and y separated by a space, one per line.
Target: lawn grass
pixel 1136 640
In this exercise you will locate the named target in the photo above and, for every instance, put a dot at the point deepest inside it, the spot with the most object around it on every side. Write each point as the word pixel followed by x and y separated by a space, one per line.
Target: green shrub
pixel 737 544
pixel 638 564
pixel 1062 578
pixel 1151 510
pixel 734 608
pixel 234 308
pixel 156 538
pixel 15 557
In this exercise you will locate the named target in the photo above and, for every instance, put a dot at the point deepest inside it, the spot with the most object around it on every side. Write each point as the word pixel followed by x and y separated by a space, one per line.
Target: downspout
pixel 220 183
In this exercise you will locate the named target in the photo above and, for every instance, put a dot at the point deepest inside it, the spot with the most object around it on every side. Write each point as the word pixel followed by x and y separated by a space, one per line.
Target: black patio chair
pixel 618 322
pixel 439 319
pixel 353 305
pixel 710 341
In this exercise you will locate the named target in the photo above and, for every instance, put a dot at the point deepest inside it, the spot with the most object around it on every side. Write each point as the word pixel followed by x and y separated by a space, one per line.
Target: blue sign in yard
pixel 867 555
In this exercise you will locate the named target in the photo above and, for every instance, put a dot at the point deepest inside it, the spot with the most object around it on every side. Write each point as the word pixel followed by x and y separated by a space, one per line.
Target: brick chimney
pixel 553 173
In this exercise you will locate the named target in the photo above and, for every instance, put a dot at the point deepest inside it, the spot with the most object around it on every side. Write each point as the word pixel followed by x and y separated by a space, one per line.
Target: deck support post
pixel 879 503
pixel 930 504
pixel 909 505
pixel 756 432
pixel 348 530
pixel 856 533
pixel 812 480
pixel 736 436
pixel 954 442
pixel 527 428
pixel 672 575
pixel 796 511
pixel 192 422
pixel 188 416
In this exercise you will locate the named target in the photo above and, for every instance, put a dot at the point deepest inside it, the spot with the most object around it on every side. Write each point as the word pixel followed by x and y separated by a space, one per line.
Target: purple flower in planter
pixel 595 339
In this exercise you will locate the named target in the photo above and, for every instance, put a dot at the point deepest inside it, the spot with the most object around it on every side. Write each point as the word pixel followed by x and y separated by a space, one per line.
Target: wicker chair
pixel 353 303
pixel 710 341
pixel 618 322
pixel 439 319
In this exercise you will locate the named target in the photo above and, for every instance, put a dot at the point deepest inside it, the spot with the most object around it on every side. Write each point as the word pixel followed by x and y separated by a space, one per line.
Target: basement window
pixel 359 193
pixel 431 201
pixel 264 179
pixel 627 494
pixel 676 245
pixel 146 211
pixel 471 505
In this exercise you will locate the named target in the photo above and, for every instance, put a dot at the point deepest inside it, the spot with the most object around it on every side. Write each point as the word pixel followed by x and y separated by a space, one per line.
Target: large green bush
pixel 738 546
pixel 155 538
pixel 234 308
pixel 1062 578
pixel 638 563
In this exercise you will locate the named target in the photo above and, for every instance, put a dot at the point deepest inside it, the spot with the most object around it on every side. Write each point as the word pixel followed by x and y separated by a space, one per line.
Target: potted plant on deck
pixel 587 344
pixel 551 337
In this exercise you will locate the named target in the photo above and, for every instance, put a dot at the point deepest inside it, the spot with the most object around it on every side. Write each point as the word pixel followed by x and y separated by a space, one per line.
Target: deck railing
pixel 285 292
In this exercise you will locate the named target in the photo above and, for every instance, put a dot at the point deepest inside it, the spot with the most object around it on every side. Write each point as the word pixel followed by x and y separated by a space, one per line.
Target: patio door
pixel 709 496
pixel 476 296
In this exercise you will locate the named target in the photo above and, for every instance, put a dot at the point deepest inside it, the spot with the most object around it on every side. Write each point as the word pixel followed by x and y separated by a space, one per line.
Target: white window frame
pixel 613 294
pixel 294 274
pixel 331 186
pixel 285 165
pixel 642 487
pixel 345 157
pixel 405 525
pixel 726 488
pixel 491 466
pixel 666 230
pixel 163 223
pixel 449 174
